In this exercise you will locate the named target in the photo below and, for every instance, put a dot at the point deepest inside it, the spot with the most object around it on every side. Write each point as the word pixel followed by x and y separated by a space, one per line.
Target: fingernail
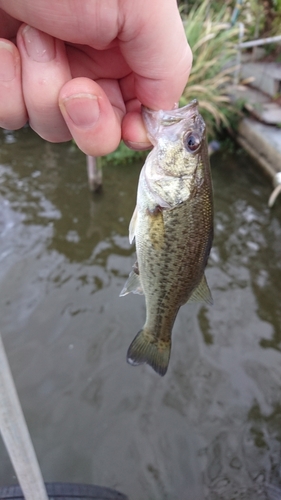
pixel 7 62
pixel 39 46
pixel 82 109
pixel 138 146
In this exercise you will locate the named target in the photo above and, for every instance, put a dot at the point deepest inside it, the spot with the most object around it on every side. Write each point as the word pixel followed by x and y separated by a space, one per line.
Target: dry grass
pixel 212 41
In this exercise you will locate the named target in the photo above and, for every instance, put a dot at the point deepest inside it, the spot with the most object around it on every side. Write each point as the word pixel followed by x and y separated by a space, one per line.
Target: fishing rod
pixel 16 437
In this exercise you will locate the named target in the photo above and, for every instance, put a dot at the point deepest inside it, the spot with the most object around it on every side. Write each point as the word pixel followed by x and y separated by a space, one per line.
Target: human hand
pixel 88 69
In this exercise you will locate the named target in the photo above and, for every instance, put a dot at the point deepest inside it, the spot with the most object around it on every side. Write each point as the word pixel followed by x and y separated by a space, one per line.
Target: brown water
pixel 211 428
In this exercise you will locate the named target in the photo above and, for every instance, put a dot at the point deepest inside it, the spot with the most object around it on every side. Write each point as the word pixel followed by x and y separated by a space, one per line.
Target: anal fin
pixel 133 283
pixel 202 292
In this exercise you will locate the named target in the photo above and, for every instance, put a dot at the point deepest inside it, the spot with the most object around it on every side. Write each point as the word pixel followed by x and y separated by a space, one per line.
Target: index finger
pixel 150 33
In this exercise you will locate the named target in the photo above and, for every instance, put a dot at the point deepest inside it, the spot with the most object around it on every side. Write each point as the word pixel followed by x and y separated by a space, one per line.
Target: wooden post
pixel 94 169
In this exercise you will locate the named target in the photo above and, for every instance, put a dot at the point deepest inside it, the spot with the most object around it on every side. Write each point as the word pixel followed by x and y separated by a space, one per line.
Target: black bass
pixel 173 229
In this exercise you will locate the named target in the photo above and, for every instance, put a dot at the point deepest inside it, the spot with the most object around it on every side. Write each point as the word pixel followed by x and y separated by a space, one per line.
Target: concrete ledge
pixel 263 143
pixel 267 76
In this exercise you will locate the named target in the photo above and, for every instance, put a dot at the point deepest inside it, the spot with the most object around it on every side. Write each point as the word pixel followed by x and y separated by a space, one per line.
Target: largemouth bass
pixel 173 229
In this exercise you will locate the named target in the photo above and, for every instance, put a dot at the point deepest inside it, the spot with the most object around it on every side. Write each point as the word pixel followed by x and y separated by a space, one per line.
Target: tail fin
pixel 146 348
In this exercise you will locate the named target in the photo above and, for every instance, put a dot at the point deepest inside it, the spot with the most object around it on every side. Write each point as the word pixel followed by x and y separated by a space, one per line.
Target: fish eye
pixel 192 142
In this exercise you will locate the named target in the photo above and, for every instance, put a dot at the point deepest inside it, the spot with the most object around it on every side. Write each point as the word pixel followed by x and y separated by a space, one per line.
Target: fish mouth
pixel 155 120
pixel 176 114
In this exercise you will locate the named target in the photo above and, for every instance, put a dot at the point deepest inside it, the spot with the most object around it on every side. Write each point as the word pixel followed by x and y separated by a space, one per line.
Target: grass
pixel 212 41
pixel 124 155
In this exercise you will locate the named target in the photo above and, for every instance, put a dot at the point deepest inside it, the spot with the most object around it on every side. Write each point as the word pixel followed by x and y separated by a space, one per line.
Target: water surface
pixel 211 428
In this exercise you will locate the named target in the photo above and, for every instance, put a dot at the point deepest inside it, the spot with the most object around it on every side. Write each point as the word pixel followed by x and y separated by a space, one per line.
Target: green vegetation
pixel 212 41
pixel 187 5
pixel 125 155
pixel 255 15
pixel 261 17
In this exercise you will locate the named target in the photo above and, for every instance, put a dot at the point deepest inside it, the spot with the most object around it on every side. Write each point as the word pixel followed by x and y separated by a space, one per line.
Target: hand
pixel 85 73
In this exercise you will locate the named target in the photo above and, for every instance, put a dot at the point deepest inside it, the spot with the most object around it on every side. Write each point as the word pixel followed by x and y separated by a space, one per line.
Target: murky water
pixel 211 428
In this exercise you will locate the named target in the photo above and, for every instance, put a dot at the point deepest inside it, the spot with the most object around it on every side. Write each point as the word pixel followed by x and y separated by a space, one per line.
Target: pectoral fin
pixel 133 283
pixel 202 292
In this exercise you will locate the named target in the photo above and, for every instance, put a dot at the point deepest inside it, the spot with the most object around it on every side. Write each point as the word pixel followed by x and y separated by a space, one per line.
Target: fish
pixel 172 226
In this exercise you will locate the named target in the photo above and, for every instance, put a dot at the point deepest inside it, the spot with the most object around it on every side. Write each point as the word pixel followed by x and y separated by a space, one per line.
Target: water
pixel 211 428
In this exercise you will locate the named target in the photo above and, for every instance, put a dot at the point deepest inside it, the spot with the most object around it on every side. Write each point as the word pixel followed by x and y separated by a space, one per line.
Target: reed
pixel 212 40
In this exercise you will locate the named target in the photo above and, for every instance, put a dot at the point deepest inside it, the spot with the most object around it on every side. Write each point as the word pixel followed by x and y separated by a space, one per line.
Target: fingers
pixel 60 107
pixel 133 130
pixel 151 37
pixel 8 25
pixel 93 112
pixel 91 23
pixel 45 70
pixel 151 45
pixel 12 109
pixel 134 133
pixel 159 55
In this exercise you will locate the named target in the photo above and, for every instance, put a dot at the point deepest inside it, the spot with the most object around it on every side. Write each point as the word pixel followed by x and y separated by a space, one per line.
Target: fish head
pixel 178 136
